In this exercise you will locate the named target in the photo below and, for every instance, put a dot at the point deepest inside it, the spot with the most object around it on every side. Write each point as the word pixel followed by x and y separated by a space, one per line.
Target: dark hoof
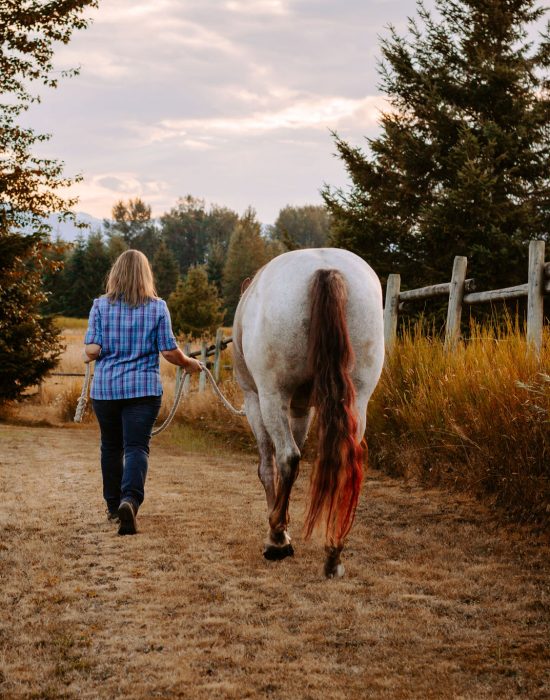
pixel 277 553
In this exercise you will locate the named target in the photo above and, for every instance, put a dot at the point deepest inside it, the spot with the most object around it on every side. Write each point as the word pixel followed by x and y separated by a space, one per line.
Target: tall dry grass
pixel 475 419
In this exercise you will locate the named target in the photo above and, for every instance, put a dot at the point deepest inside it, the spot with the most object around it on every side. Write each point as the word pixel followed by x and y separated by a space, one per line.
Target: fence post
pixel 202 375
pixel 454 310
pixel 187 380
pixel 535 295
pixel 218 354
pixel 391 306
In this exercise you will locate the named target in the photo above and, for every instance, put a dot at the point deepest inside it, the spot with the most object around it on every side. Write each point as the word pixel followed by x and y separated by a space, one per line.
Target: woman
pixel 128 327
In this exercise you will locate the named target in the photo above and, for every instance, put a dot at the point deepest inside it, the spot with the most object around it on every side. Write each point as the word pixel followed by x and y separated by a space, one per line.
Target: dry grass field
pixel 439 600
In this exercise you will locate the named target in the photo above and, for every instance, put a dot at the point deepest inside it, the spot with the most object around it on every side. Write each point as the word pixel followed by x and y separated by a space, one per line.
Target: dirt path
pixel 438 601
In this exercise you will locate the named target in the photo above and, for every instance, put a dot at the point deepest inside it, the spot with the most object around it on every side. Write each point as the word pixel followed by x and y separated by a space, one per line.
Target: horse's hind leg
pixel 275 415
pixel 277 544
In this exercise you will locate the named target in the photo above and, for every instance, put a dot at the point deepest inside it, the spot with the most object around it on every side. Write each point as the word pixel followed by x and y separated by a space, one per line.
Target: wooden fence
pixel 462 291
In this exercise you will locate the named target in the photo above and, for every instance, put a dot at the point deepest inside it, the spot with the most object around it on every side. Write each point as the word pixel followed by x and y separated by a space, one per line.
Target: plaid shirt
pixel 131 339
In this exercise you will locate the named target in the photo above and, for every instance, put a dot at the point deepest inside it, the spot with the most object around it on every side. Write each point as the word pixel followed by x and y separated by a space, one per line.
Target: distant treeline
pixel 200 256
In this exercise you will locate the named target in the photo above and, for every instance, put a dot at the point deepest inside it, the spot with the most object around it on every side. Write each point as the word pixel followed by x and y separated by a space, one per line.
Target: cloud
pixel 316 112
pixel 230 100
pixel 98 193
pixel 258 7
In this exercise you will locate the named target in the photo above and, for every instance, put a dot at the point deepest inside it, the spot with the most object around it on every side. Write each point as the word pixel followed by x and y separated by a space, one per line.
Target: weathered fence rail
pixel 462 291
pixel 204 353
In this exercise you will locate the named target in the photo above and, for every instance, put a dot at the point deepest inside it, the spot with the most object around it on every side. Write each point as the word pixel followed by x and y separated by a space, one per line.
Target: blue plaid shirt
pixel 131 339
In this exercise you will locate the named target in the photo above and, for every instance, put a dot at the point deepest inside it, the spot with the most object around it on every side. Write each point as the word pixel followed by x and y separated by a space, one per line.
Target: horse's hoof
pixel 337 572
pixel 272 553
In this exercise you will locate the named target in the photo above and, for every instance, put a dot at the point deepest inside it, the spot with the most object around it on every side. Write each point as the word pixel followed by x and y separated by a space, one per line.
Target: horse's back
pixel 273 316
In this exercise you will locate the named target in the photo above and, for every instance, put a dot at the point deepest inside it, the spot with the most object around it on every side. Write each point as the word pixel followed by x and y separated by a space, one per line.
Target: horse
pixel 308 337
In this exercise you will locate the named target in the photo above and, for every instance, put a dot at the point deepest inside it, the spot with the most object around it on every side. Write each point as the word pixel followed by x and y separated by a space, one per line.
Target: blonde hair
pixel 131 279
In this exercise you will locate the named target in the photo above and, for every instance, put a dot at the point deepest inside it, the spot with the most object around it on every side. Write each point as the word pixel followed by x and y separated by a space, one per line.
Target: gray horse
pixel 308 336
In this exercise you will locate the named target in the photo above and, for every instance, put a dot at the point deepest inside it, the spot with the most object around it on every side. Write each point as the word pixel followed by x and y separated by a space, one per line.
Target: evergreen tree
pixel 220 224
pixel 462 165
pixel 184 230
pixel 53 279
pixel 301 227
pixel 29 186
pixel 165 267
pixel 78 295
pixel 195 304
pixel 247 253
pixel 97 265
pixel 217 255
pixel 115 246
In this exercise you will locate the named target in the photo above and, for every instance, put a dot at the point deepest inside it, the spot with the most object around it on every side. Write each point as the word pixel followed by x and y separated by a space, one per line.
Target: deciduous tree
pixel 247 253
pixel 198 236
pixel 29 186
pixel 132 222
pixel 301 227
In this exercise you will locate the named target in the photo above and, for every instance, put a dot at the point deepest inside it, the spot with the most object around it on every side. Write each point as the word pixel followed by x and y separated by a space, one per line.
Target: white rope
pixel 225 402
pixel 83 400
pixel 172 413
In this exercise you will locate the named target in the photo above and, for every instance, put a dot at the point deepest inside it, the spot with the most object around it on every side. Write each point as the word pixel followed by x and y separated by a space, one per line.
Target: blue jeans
pixel 126 426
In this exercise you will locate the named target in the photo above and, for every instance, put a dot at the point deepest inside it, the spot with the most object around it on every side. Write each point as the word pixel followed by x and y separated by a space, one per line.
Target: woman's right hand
pixel 192 365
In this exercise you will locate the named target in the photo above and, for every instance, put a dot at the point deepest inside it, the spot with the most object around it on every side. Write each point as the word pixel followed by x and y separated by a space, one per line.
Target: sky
pixel 231 101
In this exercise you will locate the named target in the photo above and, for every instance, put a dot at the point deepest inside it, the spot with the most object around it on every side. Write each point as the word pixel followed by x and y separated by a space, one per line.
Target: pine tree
pixel 97 265
pixel 184 230
pixel 247 253
pixel 115 246
pixel 195 304
pixel 29 343
pixel 78 295
pixel 53 281
pixel 165 268
pixel 462 165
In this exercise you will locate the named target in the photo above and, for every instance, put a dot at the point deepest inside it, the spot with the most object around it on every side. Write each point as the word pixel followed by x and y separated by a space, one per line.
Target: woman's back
pixel 131 338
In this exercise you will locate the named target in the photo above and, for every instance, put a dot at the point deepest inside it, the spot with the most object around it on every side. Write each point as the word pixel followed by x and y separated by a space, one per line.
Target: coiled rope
pixel 83 400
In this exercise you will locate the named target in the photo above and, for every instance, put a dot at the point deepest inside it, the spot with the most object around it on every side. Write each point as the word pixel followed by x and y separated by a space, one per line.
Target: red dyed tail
pixel 338 472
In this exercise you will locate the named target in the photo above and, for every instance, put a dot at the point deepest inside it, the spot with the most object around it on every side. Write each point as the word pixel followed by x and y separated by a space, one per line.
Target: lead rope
pixel 175 405
pixel 225 402
pixel 83 400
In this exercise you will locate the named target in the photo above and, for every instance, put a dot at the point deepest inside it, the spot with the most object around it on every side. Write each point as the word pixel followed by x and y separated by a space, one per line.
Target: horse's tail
pixel 338 472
